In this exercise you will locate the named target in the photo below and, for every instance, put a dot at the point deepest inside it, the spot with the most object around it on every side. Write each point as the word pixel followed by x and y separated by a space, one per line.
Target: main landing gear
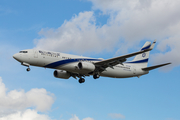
pixel 96 76
pixel 81 80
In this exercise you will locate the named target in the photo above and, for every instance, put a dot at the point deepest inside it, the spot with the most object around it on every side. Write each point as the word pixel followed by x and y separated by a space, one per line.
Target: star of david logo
pixel 144 55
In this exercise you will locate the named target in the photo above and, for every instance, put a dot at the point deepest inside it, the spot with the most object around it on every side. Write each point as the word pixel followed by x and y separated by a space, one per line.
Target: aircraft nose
pixel 16 56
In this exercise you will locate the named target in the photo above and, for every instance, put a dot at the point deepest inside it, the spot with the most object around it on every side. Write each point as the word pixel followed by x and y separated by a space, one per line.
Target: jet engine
pixel 86 66
pixel 61 74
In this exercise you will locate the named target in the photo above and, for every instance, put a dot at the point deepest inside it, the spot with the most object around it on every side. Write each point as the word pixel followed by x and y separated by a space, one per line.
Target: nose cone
pixel 16 56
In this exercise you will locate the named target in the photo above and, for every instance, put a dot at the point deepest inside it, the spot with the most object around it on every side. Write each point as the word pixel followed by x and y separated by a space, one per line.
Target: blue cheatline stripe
pixel 139 61
pixel 63 62
pixel 147 47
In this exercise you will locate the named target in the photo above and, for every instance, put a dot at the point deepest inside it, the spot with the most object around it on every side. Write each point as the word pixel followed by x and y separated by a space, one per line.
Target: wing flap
pixel 154 67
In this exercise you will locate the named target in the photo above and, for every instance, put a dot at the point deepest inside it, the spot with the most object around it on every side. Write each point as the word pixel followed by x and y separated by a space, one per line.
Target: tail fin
pixel 142 59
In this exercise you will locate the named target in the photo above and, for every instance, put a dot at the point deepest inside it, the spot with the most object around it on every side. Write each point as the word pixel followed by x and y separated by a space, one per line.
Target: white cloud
pixel 20 105
pixel 108 6
pixel 25 115
pixel 88 118
pixel 40 98
pixel 74 117
pixel 129 23
pixel 80 34
pixel 15 103
pixel 139 19
pixel 172 55
pixel 116 116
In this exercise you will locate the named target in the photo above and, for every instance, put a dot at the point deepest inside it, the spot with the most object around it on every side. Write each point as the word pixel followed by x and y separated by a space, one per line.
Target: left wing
pixel 102 65
pixel 154 67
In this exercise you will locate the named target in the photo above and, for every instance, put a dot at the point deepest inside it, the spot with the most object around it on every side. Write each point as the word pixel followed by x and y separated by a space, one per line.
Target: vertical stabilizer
pixel 141 60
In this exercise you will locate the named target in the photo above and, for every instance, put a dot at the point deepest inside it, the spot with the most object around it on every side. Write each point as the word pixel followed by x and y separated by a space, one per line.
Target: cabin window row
pixel 49 54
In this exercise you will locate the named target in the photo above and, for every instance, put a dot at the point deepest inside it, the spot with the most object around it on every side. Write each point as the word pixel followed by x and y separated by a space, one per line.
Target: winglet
pixel 152 46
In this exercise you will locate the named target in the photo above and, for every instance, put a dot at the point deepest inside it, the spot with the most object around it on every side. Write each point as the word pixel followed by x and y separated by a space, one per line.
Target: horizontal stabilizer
pixel 154 67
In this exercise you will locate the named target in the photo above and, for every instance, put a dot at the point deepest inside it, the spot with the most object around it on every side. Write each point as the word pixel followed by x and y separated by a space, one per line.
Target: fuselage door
pixel 134 71
pixel 35 54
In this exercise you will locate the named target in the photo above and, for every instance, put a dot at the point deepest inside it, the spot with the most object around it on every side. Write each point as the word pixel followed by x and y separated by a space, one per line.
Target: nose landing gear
pixel 28 69
pixel 27 65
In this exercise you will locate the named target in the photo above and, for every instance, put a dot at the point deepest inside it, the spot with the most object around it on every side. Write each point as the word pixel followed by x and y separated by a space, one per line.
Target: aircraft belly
pixel 118 73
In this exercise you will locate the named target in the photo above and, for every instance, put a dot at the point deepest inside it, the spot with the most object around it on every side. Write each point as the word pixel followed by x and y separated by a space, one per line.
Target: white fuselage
pixel 67 62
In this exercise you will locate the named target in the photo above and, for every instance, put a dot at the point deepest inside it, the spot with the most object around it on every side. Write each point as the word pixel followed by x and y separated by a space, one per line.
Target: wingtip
pixel 154 41
pixel 168 63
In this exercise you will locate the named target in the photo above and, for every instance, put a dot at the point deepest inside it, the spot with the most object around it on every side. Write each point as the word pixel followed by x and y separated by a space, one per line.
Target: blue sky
pixel 95 28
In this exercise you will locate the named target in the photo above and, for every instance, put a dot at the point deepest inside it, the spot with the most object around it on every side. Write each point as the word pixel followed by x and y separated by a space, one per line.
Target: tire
pixel 81 80
pixel 28 69
pixel 96 76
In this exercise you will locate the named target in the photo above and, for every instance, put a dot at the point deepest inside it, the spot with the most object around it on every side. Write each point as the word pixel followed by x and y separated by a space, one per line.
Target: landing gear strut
pixel 81 80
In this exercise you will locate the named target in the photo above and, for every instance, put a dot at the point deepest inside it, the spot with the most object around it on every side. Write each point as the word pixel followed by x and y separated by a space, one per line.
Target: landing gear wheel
pixel 81 80
pixel 28 69
pixel 96 76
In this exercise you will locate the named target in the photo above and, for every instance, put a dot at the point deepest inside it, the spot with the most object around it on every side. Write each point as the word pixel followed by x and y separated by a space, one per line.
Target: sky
pixel 93 28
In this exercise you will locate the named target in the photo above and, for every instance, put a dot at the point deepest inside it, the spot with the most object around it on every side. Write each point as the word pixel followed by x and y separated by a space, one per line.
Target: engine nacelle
pixel 86 67
pixel 61 74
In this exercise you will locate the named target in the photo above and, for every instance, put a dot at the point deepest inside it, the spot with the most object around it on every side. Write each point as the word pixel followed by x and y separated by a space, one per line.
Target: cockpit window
pixel 23 52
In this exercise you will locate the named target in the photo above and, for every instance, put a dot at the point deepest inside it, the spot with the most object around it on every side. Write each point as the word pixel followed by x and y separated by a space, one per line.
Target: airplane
pixel 67 65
